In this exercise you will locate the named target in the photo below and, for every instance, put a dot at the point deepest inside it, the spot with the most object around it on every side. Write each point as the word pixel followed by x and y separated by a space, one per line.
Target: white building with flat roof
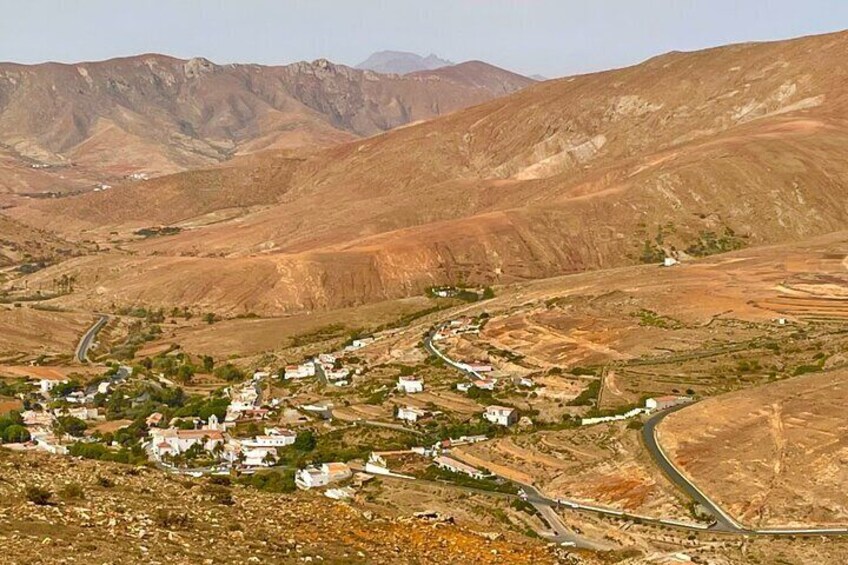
pixel 411 413
pixel 271 440
pixel 664 402
pixel 450 464
pixel 410 384
pixel 501 415
pixel 314 477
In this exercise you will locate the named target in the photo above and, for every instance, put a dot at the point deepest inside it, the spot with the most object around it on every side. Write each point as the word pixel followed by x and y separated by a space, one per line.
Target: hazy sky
pixel 551 37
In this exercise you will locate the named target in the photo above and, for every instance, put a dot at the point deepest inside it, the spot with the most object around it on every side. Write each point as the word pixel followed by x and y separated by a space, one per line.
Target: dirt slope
pixel 698 152
pixel 158 114
pixel 148 516
pixel 771 455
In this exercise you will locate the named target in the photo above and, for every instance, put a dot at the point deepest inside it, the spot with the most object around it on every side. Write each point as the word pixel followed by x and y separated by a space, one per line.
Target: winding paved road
pixel 724 522
pixel 432 349
pixel 88 338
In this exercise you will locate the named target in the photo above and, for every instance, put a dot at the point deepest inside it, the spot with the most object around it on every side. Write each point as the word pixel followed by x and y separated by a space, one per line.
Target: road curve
pixel 87 339
pixel 431 348
pixel 723 521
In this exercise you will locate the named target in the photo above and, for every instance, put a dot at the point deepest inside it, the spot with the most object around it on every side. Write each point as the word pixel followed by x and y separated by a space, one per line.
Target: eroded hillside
pixel 66 126
pixel 687 154
pixel 120 514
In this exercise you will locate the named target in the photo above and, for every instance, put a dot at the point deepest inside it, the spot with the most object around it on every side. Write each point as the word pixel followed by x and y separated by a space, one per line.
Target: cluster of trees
pixel 70 425
pixel 203 408
pixel 11 389
pixel 140 401
pixel 179 366
pixel 140 332
pixel 133 455
pixel 64 284
pixel 64 389
pixel 12 428
pixel 271 481
pixel 229 373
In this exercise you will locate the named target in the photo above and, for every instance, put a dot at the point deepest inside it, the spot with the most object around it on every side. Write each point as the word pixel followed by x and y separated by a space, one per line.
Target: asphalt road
pixel 88 338
pixel 432 349
pixel 724 522
pixel 561 533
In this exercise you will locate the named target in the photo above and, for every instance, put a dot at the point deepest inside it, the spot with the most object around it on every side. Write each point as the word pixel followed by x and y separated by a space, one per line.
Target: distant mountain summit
pixel 402 62
pixel 59 123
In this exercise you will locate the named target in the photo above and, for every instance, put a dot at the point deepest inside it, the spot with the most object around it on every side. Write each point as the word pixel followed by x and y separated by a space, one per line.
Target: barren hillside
pixel 687 154
pixel 144 515
pixel 80 123
pixel 782 446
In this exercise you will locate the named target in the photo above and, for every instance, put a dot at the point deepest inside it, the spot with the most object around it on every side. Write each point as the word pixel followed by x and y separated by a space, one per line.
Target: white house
pixel 410 413
pixel 501 415
pixel 486 384
pixel 33 418
pixel 174 442
pixel 462 440
pixel 312 477
pixel 324 411
pixel 327 359
pixel 463 387
pixel 669 262
pixel 454 466
pixel 336 375
pixel 83 413
pixel 663 402
pixel 281 439
pixel 76 397
pixel 243 398
pixel 410 384
pixel 47 384
pixel 259 456
pixel 301 371
pixel 359 343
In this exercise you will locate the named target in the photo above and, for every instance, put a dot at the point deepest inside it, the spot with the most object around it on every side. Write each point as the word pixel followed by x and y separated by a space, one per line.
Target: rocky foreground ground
pixel 112 514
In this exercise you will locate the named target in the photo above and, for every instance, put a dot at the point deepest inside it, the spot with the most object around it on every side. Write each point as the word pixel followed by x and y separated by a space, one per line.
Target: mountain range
pixel 68 126
pixel 684 154
pixel 402 62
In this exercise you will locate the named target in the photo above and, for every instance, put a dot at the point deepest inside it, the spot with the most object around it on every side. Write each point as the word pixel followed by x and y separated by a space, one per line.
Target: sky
pixel 548 37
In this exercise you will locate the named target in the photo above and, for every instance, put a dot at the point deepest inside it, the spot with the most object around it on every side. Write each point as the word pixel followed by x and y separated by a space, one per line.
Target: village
pixel 241 430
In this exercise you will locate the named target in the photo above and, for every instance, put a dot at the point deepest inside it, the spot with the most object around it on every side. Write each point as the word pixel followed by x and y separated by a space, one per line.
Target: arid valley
pixel 418 311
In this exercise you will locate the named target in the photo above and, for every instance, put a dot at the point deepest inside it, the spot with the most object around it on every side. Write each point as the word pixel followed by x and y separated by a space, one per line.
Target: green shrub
pixel 72 491
pixel 38 495
pixel 588 396
pixel 271 481
pixel 15 434
pixel 219 494
pixel 229 373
